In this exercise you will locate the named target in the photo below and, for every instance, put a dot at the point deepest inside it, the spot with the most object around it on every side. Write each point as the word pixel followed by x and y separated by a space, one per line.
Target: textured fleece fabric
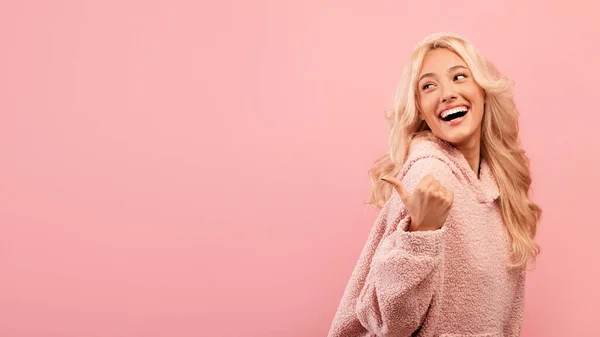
pixel 449 282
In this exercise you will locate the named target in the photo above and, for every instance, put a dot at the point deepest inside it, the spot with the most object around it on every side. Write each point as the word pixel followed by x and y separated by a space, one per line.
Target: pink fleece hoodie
pixel 450 282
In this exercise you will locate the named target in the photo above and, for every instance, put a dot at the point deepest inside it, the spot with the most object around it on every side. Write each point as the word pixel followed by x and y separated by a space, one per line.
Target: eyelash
pixel 424 87
pixel 461 74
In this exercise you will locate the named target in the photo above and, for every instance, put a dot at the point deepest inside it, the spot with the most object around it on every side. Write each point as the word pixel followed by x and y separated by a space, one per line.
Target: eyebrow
pixel 449 70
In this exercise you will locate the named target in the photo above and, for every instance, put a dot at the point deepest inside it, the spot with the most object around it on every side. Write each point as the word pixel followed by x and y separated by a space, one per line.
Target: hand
pixel 428 205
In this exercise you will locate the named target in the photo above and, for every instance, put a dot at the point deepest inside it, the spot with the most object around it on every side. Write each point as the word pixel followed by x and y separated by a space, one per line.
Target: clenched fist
pixel 428 205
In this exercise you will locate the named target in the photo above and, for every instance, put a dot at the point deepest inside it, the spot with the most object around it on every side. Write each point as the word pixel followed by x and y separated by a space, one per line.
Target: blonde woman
pixel 449 250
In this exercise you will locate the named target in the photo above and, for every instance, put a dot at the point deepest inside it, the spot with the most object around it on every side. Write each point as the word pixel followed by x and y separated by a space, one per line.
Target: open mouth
pixel 454 113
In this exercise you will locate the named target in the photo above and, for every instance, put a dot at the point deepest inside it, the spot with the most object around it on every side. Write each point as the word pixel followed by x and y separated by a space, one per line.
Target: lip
pixel 448 107
pixel 455 122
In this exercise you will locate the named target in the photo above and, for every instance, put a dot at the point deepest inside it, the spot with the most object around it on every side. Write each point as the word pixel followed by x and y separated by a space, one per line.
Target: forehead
pixel 440 60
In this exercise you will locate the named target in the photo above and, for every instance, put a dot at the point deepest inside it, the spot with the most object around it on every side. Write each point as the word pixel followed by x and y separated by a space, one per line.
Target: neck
pixel 472 153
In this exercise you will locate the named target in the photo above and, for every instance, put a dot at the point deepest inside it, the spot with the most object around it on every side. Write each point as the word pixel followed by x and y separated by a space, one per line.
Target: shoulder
pixel 430 156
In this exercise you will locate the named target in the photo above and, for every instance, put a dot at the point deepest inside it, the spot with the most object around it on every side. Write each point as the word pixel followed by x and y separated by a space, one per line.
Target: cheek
pixel 428 105
pixel 477 94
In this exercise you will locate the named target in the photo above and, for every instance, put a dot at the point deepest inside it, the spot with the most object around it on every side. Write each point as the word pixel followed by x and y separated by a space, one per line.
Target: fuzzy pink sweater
pixel 450 282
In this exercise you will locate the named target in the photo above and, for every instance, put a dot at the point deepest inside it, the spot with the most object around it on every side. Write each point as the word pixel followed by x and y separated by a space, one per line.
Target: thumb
pixel 404 195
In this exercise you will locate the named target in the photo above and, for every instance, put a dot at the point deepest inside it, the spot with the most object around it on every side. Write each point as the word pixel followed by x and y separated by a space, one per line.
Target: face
pixel 449 99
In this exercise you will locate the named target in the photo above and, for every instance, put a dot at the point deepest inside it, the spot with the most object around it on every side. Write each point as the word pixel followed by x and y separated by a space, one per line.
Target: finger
pixel 404 195
pixel 435 186
pixel 450 197
pixel 443 192
pixel 425 183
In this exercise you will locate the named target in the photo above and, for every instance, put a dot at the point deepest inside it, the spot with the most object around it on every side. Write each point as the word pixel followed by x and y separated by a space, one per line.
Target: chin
pixel 457 137
pixel 463 130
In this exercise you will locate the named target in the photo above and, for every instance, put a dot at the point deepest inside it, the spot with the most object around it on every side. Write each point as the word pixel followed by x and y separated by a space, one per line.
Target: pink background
pixel 180 169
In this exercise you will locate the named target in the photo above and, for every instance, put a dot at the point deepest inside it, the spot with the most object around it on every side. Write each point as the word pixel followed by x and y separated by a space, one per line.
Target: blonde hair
pixel 500 144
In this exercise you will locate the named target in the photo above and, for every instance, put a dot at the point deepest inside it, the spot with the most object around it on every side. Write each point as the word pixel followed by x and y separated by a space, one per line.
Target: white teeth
pixel 453 111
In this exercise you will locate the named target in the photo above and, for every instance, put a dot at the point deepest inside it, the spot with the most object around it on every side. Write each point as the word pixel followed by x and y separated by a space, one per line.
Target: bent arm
pixel 515 321
pixel 403 279
pixel 399 272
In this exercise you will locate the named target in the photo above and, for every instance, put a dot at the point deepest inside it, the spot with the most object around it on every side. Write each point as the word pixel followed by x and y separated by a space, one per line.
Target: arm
pixel 404 277
pixel 398 272
pixel 515 321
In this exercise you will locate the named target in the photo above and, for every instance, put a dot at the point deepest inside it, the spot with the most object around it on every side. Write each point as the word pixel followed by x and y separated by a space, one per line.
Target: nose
pixel 448 95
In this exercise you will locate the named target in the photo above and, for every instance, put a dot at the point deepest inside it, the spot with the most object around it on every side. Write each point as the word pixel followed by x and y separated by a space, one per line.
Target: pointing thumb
pixel 399 187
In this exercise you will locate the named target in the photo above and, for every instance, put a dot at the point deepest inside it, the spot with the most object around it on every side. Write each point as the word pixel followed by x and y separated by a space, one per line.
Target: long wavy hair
pixel 500 143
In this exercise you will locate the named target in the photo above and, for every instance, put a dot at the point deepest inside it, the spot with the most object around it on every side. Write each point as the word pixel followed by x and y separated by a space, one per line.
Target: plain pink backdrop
pixel 175 168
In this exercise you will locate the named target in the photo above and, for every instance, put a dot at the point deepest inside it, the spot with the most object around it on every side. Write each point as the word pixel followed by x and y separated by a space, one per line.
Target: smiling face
pixel 449 99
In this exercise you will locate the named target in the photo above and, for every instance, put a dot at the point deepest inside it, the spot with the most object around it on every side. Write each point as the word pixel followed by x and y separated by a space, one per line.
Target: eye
pixel 460 76
pixel 426 86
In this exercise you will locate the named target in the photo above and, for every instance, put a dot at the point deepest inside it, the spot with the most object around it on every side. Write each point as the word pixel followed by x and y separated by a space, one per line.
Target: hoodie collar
pixel 485 186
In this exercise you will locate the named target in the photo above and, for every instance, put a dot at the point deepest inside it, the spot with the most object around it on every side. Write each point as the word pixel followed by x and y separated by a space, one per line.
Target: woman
pixel 448 253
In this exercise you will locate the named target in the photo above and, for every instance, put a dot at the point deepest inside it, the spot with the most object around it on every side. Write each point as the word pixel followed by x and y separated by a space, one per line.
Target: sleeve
pixel 515 321
pixel 398 272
